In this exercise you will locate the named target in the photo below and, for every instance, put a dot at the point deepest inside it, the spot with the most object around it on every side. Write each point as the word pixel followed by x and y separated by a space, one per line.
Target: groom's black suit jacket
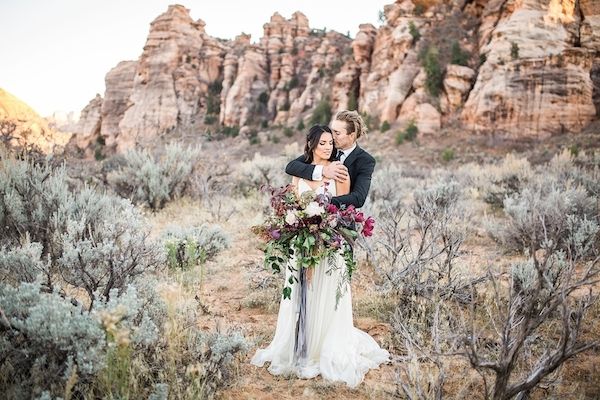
pixel 360 166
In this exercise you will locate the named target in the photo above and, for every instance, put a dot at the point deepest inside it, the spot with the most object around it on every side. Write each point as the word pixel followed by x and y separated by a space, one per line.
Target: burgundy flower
pixel 368 227
pixel 359 217
pixel 332 209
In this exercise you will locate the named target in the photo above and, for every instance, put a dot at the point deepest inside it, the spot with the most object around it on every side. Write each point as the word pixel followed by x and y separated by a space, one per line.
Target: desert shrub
pixel 458 55
pixel 539 317
pixel 418 244
pixel 210 119
pixel 263 98
pixel 91 240
pixel 106 246
pixel 288 132
pixel 540 203
pixel 231 131
pixel 188 247
pixel 23 263
pixel 253 137
pixel 505 179
pixel 265 289
pixel 385 185
pixel 414 31
pixel 33 198
pixel 514 51
pixel 300 126
pixel 447 155
pixel 322 113
pixel 543 214
pixel 45 341
pixel 261 170
pixel 385 126
pixel 433 69
pixel 212 366
pixel 153 181
pixel 409 133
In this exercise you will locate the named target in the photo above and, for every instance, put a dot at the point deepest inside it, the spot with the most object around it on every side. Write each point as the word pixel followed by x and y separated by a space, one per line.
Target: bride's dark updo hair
pixel 312 140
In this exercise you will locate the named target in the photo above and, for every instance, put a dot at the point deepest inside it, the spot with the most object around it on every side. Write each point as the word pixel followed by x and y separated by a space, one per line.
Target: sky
pixel 54 54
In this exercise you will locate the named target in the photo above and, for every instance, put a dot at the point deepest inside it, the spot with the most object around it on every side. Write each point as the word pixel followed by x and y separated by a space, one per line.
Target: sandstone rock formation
pixel 63 121
pixel 527 67
pixel 88 127
pixel 457 85
pixel 536 79
pixel 22 127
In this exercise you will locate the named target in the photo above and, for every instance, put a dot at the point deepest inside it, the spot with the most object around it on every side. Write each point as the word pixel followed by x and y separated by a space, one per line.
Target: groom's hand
pixel 336 171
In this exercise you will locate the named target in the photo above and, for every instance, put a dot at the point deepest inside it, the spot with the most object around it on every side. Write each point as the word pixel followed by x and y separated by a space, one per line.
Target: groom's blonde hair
pixel 354 122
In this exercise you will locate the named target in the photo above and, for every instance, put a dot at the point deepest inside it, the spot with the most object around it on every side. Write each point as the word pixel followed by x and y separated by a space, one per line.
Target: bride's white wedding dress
pixel 335 348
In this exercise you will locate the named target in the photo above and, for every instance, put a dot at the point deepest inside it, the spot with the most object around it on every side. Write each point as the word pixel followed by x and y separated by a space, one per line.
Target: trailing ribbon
pixel 300 347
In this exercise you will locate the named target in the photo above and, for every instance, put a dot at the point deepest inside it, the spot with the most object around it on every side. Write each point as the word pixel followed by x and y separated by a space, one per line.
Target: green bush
pixel 514 51
pixel 414 31
pixel 458 55
pixel 431 64
pixel 288 132
pixel 188 247
pixel 153 181
pixel 385 126
pixel 400 138
pixel 574 150
pixel 263 98
pixel 294 83
pixel 448 155
pixel 210 119
pixel 300 126
pixel 321 113
pixel 408 134
pixel 253 138
pixel 411 131
pixel 99 154
pixel 231 131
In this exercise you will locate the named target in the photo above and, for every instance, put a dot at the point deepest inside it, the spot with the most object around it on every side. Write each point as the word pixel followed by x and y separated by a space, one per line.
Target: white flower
pixel 332 220
pixel 313 208
pixel 291 218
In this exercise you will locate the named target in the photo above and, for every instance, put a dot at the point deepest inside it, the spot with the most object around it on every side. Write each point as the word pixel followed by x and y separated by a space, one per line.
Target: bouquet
pixel 310 228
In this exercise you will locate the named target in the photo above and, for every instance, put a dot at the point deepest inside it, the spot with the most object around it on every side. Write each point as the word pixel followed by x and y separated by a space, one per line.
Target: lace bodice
pixel 303 186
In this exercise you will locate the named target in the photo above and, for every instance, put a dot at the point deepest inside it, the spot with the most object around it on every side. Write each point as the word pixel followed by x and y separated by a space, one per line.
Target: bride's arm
pixel 342 188
pixel 295 180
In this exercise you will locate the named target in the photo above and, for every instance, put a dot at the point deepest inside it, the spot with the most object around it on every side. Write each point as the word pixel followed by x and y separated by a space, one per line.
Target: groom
pixel 354 162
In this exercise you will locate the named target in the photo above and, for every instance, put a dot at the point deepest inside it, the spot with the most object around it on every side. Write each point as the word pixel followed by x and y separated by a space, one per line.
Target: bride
pixel 332 346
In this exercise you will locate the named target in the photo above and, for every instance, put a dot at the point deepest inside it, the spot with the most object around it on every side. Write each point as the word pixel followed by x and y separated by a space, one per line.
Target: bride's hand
pixel 336 170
